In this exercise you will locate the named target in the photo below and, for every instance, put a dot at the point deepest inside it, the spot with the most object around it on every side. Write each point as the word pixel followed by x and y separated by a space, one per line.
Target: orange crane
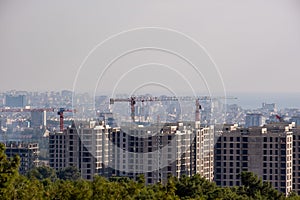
pixel 132 101
pixel 61 117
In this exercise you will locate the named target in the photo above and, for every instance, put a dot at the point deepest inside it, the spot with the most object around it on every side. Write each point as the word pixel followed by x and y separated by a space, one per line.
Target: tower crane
pixel 60 112
pixel 61 117
pixel 133 99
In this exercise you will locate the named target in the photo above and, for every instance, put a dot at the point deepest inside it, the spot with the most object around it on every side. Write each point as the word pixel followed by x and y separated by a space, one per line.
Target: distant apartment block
pixel 270 107
pixel 28 153
pixel 254 119
pixel 267 151
pixel 15 100
pixel 295 119
pixel 66 93
pixel 38 119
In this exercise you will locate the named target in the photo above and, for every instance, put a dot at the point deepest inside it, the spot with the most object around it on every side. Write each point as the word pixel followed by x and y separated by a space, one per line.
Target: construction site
pixel 149 135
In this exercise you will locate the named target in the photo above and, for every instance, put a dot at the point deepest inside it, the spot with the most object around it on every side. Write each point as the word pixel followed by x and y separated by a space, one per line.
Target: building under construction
pixel 177 149
pixel 85 147
pixel 156 151
pixel 28 153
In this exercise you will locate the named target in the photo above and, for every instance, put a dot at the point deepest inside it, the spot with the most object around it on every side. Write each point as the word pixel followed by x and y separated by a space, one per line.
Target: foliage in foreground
pixel 45 183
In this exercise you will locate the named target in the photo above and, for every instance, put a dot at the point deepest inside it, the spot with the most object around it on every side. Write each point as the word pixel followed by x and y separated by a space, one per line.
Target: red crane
pixel 280 119
pixel 61 117
pixel 132 101
pixel 60 112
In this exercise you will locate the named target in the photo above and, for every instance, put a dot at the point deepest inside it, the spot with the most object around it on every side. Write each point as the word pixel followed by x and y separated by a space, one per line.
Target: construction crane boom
pixel 132 100
pixel 26 109
pixel 164 98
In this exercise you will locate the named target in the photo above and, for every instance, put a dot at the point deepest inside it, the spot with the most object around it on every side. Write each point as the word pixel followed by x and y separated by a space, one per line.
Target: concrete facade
pixel 266 151
pixel 296 159
pixel 28 153
pixel 86 148
pixel 178 149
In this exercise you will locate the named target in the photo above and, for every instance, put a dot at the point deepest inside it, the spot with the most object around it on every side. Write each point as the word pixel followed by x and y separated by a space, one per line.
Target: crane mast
pixel 61 117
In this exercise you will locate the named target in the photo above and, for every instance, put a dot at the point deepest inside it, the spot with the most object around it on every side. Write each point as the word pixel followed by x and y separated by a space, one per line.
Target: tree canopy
pixel 45 183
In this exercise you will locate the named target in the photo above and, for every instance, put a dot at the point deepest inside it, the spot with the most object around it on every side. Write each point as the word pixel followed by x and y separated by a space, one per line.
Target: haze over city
pixel 150 99
pixel 255 44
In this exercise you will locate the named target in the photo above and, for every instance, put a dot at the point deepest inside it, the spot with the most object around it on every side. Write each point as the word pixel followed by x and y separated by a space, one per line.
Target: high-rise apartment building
pixel 28 153
pixel 85 147
pixel 172 149
pixel 156 151
pixel 296 159
pixel 267 151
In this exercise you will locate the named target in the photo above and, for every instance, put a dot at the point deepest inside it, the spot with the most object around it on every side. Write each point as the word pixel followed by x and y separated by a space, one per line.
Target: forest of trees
pixel 46 183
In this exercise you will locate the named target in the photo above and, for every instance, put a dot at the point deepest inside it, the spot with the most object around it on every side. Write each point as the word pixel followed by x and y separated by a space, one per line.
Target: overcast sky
pixel 255 44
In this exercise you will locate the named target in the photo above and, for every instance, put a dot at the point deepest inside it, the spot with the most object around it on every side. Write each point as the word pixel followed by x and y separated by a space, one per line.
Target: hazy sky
pixel 256 44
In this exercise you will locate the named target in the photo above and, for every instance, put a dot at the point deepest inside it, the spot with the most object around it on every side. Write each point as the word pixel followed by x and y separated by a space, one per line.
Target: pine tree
pixel 8 173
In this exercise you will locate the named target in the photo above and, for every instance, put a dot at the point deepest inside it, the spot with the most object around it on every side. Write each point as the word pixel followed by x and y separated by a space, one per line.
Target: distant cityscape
pixel 153 136
pixel 16 113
